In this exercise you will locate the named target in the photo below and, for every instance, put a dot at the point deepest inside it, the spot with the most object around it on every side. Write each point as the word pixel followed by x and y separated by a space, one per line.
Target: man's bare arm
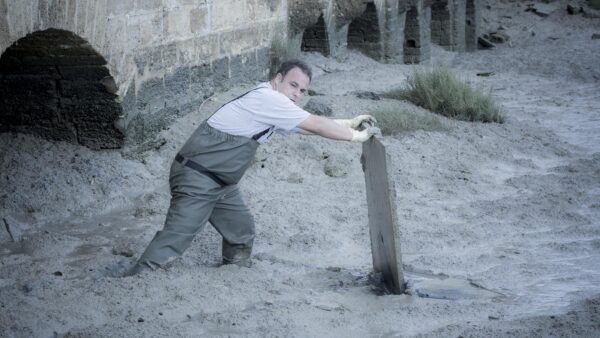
pixel 324 127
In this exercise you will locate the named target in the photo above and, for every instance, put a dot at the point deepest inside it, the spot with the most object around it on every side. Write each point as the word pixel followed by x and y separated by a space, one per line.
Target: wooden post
pixel 383 221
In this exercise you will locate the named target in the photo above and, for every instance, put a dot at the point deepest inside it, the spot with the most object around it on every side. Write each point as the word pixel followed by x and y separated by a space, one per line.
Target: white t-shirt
pixel 261 109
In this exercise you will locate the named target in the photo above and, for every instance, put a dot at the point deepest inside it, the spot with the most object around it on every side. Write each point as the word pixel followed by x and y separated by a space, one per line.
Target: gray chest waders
pixel 203 182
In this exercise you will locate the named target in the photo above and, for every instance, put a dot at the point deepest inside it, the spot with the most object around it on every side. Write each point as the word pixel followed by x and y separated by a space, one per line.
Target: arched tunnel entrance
pixel 441 24
pixel 315 38
pixel 53 84
pixel 414 43
pixel 471 33
pixel 364 33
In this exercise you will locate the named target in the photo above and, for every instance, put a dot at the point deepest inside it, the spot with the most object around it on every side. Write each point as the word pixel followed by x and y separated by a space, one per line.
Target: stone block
pixel 228 14
pixel 150 96
pixel 116 35
pixel 20 19
pixel 148 60
pixel 144 30
pixel 128 101
pixel 176 24
pixel 220 73
pixel 199 23
pixel 99 39
pixel 90 20
pixel 248 38
pixel 119 7
pixel 70 16
pixel 177 86
pixel 263 61
pixel 80 20
pixel 42 11
pixel 56 13
pixel 201 81
pixel 169 55
pixel 186 50
pixel 227 43
pixel 148 5
pixel 207 47
pixel 243 69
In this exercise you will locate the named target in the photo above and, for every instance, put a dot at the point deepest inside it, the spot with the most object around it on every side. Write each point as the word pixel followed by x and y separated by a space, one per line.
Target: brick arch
pixel 471 25
pixel 315 38
pixel 55 85
pixel 364 33
pixel 441 24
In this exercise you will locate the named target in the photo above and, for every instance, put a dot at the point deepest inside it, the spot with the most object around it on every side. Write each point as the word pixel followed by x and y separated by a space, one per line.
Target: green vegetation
pixel 393 121
pixel 440 91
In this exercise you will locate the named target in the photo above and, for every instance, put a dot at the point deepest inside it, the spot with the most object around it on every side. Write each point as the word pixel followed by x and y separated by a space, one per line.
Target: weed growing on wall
pixel 440 91
pixel 394 121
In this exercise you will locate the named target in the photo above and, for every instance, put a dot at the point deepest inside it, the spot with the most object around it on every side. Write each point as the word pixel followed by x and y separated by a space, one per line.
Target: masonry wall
pixel 164 56
pixel 103 73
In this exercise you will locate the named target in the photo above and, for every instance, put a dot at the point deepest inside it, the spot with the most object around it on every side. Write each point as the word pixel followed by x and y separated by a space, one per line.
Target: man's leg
pixel 232 219
pixel 191 206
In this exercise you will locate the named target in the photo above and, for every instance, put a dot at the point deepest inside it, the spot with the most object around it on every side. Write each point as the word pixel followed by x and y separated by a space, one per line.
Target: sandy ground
pixel 502 219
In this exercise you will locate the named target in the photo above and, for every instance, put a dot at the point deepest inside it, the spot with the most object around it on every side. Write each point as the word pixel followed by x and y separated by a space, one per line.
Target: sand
pixel 499 222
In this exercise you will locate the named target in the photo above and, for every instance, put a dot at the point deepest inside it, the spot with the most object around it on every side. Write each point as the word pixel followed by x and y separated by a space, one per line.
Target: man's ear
pixel 279 77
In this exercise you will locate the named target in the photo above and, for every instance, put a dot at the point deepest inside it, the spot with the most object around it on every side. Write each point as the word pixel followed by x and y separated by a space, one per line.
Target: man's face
pixel 293 85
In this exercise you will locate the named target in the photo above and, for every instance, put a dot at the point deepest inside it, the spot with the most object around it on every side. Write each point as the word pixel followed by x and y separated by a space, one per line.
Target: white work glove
pixel 355 122
pixel 364 135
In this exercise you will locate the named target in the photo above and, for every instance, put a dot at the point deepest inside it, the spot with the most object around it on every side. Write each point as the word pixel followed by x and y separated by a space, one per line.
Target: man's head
pixel 292 79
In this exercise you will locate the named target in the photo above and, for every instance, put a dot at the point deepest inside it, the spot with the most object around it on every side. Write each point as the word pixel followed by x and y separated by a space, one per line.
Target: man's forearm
pixel 325 127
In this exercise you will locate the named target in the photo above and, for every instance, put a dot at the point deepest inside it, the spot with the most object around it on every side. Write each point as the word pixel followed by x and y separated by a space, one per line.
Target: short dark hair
pixel 291 64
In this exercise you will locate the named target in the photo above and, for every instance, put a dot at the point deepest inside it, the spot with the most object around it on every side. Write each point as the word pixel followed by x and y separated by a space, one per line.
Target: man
pixel 206 170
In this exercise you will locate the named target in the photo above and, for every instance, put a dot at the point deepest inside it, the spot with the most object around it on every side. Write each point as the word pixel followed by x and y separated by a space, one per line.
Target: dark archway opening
pixel 53 84
pixel 441 24
pixel 471 25
pixel 412 37
pixel 315 38
pixel 364 33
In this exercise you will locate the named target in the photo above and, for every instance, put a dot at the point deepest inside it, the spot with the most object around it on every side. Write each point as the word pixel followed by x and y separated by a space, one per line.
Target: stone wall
pixel 455 24
pixel 164 56
pixel 54 84
pixel 417 39
pixel 109 72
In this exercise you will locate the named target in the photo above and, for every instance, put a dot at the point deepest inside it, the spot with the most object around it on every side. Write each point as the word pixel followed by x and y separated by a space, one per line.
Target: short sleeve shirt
pixel 262 109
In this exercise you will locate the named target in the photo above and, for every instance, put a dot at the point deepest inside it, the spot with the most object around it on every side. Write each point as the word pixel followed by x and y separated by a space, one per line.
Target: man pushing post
pixel 205 172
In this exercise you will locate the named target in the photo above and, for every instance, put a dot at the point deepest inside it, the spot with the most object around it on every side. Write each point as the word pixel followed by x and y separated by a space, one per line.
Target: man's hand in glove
pixel 364 135
pixel 355 122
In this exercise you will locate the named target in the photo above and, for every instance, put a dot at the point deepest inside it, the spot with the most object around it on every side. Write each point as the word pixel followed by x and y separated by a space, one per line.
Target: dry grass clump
pixel 394 121
pixel 440 91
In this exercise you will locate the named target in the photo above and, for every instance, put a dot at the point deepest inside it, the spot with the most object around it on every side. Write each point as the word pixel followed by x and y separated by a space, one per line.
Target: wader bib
pixel 203 181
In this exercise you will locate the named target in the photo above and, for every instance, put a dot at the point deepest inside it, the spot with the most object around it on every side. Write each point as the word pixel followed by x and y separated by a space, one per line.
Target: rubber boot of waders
pixel 238 254
pixel 138 268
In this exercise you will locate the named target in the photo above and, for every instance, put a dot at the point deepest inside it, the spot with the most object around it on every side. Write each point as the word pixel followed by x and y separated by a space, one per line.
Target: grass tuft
pixel 440 91
pixel 394 121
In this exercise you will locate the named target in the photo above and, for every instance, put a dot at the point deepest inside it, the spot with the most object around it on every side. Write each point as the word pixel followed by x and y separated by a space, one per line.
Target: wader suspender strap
pixel 256 136
pixel 199 168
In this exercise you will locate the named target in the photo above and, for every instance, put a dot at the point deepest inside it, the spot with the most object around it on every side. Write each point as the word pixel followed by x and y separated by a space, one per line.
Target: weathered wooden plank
pixel 383 220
